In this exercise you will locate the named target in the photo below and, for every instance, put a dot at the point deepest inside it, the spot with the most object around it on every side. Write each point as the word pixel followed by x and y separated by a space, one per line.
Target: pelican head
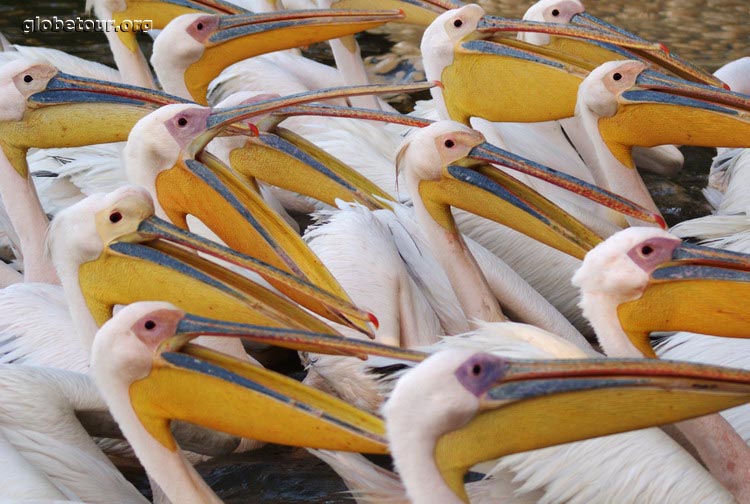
pixel 44 108
pixel 549 11
pixel 148 375
pixel 194 48
pixel 110 240
pixel 460 407
pixel 655 282
pixel 636 106
pixel 446 164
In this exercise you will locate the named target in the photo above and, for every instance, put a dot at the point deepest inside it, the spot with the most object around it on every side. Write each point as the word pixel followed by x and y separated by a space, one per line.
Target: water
pixel 708 32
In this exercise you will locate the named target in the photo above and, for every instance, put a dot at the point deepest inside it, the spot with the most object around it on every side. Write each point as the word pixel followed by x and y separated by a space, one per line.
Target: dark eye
pixel 458 23
pixel 115 217
pixel 149 325
pixel 476 369
pixel 27 78
pixel 449 143
pixel 647 250
pixel 617 76
pixel 555 12
pixel 182 122
pixel 199 26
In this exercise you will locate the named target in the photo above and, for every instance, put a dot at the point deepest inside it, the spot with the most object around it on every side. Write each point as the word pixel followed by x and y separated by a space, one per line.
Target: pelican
pixel 622 104
pixel 45 108
pixel 194 48
pixel 440 413
pixel 636 268
pixel 144 372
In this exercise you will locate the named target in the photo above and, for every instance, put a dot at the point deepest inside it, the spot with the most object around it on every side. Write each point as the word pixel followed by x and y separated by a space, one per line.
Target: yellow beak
pixel 73 111
pixel 216 391
pixel 701 290
pixel 536 404
pixel 239 216
pixel 151 262
pixel 287 160
pixel 539 83
pixel 243 36
pixel 489 192
pixel 669 110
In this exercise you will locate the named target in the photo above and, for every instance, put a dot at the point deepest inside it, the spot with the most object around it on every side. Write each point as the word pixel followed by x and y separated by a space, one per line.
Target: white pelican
pixel 622 104
pixel 149 377
pixel 635 270
pixel 442 396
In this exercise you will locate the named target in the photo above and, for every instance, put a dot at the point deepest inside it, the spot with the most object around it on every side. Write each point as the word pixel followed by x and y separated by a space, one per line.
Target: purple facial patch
pixel 481 372
pixel 651 253
pixel 188 124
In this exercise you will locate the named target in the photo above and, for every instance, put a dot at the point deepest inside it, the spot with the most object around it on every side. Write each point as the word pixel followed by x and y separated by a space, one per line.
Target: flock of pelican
pixel 467 265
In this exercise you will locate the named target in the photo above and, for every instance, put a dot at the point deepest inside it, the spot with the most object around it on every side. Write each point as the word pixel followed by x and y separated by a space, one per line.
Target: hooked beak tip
pixel 661 222
pixel 439 84
pixel 726 86
pixel 664 48
pixel 374 320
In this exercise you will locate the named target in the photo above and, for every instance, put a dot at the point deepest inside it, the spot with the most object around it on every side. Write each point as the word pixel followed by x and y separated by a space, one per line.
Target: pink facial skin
pixel 203 27
pixel 649 254
pixel 157 326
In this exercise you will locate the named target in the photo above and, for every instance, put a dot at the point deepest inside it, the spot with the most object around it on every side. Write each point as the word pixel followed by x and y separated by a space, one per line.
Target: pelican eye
pixel 115 217
pixel 617 76
pixel 149 325
pixel 449 143
pixel 182 122
pixel 647 250
pixel 27 78
pixel 458 23
pixel 476 369
pixel 555 12
pixel 199 26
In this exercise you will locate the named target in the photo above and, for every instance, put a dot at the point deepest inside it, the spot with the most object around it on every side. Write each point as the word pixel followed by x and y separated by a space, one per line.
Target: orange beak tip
pixel 726 86
pixel 374 320
pixel 254 129
pixel 439 84
pixel 661 222
pixel 664 48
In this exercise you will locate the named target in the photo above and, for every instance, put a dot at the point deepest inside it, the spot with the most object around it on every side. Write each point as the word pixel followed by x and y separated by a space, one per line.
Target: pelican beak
pixel 161 12
pixel 152 260
pixel 235 38
pixel 700 290
pixel 491 193
pixel 238 215
pixel 539 84
pixel 192 326
pixel 489 25
pixel 219 392
pixel 534 404
pixel 661 57
pixel 287 160
pixel 416 12
pixel 73 111
pixel 675 111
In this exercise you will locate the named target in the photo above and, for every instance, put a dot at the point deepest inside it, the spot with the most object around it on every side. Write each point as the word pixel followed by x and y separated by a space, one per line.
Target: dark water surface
pixel 708 32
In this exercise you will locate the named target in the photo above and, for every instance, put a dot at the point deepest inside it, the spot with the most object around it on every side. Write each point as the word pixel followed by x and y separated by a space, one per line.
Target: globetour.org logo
pixel 77 24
